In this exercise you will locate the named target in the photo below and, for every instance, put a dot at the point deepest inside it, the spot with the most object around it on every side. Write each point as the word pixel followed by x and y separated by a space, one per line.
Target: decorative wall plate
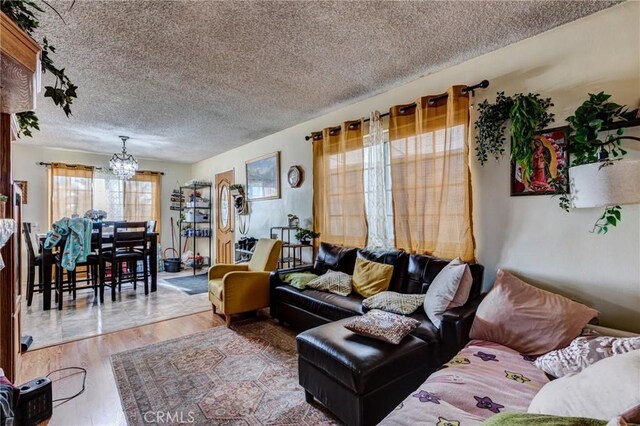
pixel 295 176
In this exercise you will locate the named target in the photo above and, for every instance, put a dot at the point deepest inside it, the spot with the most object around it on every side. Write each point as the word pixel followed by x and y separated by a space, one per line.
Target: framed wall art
pixel 263 177
pixel 24 187
pixel 546 170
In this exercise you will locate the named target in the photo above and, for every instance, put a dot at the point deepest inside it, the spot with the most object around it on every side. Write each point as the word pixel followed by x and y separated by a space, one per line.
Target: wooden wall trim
pixel 18 45
pixel 7 298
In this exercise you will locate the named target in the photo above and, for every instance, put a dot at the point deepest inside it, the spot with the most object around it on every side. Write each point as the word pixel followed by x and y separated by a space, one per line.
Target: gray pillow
pixel 381 325
pixel 334 282
pixel 398 303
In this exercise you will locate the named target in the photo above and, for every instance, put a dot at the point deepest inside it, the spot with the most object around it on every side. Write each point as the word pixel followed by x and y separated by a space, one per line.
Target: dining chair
pixel 94 267
pixel 33 261
pixel 130 246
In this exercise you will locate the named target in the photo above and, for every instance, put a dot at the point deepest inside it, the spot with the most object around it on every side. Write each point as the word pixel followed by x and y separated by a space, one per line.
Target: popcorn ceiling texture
pixel 191 79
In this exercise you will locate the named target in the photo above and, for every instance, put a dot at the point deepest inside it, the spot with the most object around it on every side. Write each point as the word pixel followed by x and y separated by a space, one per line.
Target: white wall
pixel 528 235
pixel 25 168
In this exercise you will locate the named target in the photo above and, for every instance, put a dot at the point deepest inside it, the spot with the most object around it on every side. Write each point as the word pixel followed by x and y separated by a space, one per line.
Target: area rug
pixel 246 375
pixel 190 284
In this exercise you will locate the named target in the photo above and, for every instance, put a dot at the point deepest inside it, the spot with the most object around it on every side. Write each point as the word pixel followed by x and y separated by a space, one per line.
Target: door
pixel 224 218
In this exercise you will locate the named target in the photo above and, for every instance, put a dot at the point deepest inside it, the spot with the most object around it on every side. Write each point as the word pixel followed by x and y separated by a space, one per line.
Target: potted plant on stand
pixel 306 235
pixel 236 189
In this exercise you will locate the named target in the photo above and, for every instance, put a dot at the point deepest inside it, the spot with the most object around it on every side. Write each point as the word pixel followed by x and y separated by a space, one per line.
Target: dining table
pixel 48 261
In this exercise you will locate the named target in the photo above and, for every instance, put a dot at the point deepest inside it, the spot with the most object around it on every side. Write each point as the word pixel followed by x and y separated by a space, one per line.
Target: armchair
pixel 244 287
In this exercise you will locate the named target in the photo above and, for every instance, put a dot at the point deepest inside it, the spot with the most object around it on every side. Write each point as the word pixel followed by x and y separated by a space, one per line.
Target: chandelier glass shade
pixel 122 164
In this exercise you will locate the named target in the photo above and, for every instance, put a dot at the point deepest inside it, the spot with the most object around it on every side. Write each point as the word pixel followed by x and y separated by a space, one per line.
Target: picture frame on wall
pixel 549 163
pixel 263 177
pixel 24 187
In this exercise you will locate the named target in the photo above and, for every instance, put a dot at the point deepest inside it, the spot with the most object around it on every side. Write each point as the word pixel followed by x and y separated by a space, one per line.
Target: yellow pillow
pixel 370 278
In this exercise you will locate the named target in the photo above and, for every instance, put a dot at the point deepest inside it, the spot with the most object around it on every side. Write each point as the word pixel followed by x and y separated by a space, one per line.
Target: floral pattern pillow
pixel 334 282
pixel 383 326
pixel 584 351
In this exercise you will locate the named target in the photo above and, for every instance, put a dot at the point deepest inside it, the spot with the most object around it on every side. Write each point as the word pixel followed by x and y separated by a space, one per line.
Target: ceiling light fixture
pixel 123 165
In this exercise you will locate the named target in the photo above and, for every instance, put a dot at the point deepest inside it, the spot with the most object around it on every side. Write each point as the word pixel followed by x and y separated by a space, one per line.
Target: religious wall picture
pixel 545 174
pixel 24 187
pixel 263 177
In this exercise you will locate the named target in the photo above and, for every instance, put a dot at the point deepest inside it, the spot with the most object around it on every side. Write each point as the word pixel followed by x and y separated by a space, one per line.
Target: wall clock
pixel 295 176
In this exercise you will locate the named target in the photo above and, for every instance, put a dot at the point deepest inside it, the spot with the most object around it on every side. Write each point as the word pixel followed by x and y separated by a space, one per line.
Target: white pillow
pixel 604 390
pixel 449 289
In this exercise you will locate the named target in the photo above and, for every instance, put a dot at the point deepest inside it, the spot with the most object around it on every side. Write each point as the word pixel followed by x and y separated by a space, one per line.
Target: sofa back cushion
pixel 336 258
pixel 422 270
pixel 397 258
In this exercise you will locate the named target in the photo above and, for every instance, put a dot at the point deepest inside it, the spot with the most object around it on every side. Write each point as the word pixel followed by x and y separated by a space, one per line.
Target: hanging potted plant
pixel 527 115
pixel 306 235
pixel 598 174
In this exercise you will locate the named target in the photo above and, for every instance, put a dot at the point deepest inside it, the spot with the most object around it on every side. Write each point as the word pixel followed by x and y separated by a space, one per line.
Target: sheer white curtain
pixel 377 183
pixel 108 194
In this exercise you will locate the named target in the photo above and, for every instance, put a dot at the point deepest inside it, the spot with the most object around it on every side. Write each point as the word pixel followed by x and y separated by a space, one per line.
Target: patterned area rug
pixel 247 375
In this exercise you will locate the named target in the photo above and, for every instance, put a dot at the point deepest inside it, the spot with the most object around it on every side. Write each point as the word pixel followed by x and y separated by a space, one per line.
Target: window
pixel 70 189
pixel 76 189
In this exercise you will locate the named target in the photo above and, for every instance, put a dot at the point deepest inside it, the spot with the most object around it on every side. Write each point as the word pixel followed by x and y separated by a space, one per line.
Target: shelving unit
pixel 291 254
pixel 201 227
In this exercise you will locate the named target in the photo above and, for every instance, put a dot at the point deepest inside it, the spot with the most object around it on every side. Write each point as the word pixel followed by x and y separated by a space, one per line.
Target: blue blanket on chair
pixel 78 245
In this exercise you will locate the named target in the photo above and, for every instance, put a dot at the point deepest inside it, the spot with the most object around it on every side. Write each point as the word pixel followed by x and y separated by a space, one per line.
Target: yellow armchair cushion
pixel 215 287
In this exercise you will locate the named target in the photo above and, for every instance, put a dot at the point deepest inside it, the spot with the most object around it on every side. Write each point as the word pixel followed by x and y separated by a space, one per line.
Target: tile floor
pixel 84 317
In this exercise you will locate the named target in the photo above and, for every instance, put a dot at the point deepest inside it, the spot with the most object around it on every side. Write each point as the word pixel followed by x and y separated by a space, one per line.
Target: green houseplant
pixel 306 235
pixel 526 113
pixel 236 189
pixel 63 92
pixel 590 144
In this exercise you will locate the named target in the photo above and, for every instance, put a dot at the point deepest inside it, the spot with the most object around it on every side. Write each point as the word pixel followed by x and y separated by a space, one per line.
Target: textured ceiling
pixel 191 79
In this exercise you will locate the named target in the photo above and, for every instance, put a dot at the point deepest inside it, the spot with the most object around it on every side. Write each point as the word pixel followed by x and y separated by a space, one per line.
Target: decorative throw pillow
pixel 298 280
pixel 528 319
pixel 449 289
pixel 333 282
pixel 370 278
pixel 382 325
pixel 584 351
pixel 398 303
pixel 604 390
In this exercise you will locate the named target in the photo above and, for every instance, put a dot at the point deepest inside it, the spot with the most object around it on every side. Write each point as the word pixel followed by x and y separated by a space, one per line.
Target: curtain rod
pixel 482 85
pixel 42 163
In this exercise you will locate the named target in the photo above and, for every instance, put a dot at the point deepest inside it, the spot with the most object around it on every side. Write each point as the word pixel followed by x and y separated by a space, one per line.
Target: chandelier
pixel 123 165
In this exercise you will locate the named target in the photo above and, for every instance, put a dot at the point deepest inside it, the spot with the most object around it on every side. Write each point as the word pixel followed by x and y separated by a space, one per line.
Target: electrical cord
pixel 84 381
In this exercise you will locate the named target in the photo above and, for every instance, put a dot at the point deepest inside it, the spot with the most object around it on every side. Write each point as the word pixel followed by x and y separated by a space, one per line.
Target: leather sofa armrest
pixel 455 327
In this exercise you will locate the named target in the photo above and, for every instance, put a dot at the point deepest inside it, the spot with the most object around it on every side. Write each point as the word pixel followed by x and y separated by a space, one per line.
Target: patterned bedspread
pixel 483 379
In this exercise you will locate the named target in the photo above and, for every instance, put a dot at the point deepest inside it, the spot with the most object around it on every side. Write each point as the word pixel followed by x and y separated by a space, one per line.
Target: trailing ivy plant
pixel 23 13
pixel 587 146
pixel 527 113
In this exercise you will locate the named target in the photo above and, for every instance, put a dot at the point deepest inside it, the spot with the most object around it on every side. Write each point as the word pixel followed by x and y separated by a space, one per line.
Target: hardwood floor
pixel 100 402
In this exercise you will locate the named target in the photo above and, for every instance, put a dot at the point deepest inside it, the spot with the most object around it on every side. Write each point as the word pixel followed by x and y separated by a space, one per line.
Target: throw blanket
pixel 78 233
pixel 483 379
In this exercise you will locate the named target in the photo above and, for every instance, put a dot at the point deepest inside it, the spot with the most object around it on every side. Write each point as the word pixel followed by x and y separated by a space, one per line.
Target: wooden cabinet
pixel 19 67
